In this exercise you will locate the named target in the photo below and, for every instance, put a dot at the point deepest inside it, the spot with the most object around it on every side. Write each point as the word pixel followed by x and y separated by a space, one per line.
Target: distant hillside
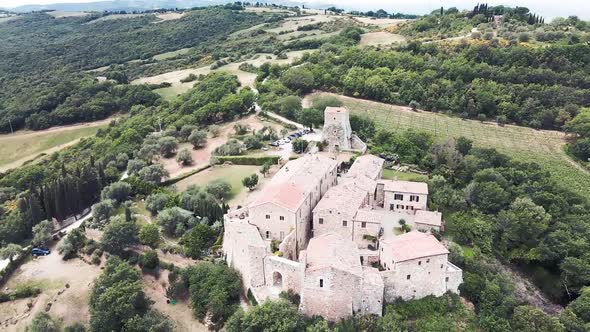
pixel 133 5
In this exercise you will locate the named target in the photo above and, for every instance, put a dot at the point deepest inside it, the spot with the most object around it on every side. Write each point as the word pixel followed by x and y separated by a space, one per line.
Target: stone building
pixel 416 265
pixel 337 131
pixel 335 285
pixel 330 229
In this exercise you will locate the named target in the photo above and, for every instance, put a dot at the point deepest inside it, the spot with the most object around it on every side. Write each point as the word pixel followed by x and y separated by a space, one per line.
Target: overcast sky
pixel 547 8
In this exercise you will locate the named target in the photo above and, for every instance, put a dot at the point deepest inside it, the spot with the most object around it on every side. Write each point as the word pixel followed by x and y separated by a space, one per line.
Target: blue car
pixel 40 251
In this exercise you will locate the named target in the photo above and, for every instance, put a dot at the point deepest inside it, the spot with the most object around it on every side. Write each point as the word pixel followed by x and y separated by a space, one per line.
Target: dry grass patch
pixel 61 14
pixel 380 38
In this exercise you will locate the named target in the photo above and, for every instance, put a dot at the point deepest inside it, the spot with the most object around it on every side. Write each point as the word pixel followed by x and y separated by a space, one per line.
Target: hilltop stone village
pixel 335 237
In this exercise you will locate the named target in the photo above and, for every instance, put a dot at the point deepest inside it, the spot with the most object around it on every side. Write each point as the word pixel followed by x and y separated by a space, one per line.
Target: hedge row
pixel 249 160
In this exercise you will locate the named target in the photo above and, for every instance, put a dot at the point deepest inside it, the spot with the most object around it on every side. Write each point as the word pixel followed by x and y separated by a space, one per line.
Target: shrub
pixel 149 235
pixel 252 142
pixel 219 188
pixel 42 323
pixel 150 260
pixel 232 148
pixel 156 202
pixel 184 157
pixel 249 160
pixel 198 138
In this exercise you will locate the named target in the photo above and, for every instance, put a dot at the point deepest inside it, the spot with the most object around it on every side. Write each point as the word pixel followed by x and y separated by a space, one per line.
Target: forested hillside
pixel 43 59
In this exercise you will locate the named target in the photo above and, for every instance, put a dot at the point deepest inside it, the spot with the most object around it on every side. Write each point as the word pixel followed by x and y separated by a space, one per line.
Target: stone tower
pixel 337 131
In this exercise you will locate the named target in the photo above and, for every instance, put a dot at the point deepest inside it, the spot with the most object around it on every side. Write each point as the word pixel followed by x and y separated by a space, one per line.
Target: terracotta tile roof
pixel 405 186
pixel 367 165
pixel 294 181
pixel 433 218
pixel 413 245
pixel 344 198
pixel 285 194
pixel 332 250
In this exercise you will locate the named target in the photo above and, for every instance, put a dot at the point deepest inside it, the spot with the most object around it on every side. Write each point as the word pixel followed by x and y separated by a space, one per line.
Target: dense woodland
pixel 43 72
pixel 499 212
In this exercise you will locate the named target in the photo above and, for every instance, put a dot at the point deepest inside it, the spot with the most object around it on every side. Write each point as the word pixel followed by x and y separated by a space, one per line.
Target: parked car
pixel 40 251
pixel 275 143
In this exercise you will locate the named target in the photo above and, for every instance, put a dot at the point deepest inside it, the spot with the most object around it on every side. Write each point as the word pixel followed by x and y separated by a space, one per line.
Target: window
pixel 282 235
pixel 321 221
pixel 267 234
pixel 428 260
pixel 321 282
pixel 398 197
pixel 268 216
pixel 409 207
pixel 283 217
pixel 391 206
pixel 447 279
pixel 419 262
pixel 344 223
pixel 408 276
pixel 441 266
pixel 414 198
pixel 363 225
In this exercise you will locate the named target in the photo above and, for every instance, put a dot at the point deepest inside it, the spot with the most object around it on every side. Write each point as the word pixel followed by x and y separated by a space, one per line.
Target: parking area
pixel 293 136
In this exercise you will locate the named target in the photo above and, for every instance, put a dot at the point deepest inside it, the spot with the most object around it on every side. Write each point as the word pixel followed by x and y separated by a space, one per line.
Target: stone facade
pixel 338 133
pixel 331 230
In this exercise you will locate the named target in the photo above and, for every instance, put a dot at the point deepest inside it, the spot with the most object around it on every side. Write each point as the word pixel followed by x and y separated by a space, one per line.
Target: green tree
pixel 278 315
pixel 42 322
pixel 118 192
pixel 250 181
pixel 150 260
pixel 530 319
pixel 311 117
pixel 168 146
pixel 198 138
pixel 156 202
pixel 149 234
pixel 76 327
pixel 153 173
pixel 298 79
pixel 118 235
pixel 220 189
pixel 489 197
pixel 102 212
pixel 73 242
pixel 265 168
pixel 197 241
pixel 214 289
pixel 42 233
pixel 300 145
pixel 116 297
pixel 152 321
pixel 10 251
pixel 520 228
pixel 184 157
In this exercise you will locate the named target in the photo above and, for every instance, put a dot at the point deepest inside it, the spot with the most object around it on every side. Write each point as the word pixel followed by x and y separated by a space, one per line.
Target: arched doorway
pixel 277 279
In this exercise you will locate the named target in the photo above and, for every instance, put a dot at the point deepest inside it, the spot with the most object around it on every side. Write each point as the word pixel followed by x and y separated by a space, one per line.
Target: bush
pixel 232 148
pixel 184 157
pixel 249 160
pixel 42 323
pixel 252 142
pixel 156 202
pixel 198 138
pixel 219 188
pixel 149 235
pixel 150 260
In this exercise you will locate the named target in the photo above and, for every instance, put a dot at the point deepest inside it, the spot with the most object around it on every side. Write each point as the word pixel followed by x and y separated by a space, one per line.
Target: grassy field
pixel 22 146
pixel 231 174
pixel 391 174
pixel 525 144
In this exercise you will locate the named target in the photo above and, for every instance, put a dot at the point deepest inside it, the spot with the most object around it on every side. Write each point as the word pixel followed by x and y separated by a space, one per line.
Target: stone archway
pixel 277 279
